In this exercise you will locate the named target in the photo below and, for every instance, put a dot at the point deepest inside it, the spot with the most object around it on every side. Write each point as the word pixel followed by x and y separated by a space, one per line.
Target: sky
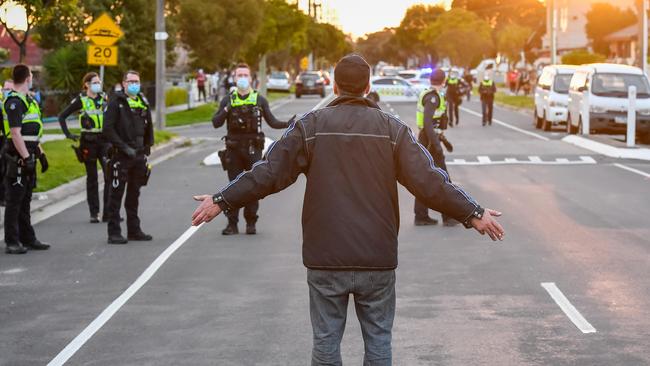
pixel 358 17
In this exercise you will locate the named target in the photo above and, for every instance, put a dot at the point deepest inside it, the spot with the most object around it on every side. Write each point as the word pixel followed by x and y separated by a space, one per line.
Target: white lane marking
pixel 607 150
pixel 629 169
pixel 562 160
pixel 324 101
pixel 507 125
pixel 13 271
pixel 588 159
pixel 115 306
pixel 571 312
pixel 510 160
pixel 282 102
pixel 535 159
pixel 484 159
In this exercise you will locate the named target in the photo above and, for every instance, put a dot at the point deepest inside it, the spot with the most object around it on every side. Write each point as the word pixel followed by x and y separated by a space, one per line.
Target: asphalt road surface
pixel 567 286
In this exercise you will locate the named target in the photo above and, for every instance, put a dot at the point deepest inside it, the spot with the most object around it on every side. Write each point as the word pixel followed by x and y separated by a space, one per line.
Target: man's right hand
pixel 29 164
pixel 489 225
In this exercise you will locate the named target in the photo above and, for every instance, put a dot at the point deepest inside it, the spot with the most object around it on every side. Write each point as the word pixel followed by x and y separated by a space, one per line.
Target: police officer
pixel 22 128
pixel 487 89
pixel 431 118
pixel 243 111
pixel 455 87
pixel 92 147
pixel 6 89
pixel 129 128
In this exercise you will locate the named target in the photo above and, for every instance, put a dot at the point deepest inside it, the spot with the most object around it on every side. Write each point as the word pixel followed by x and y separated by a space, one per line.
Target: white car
pixel 598 100
pixel 417 76
pixel 552 96
pixel 279 80
pixel 393 89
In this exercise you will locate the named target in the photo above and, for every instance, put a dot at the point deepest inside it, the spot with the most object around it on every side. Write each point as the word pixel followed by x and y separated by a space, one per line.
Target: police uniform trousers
pixel 452 108
pixel 241 159
pixel 128 174
pixel 487 106
pixel 2 168
pixel 420 209
pixel 95 149
pixel 18 189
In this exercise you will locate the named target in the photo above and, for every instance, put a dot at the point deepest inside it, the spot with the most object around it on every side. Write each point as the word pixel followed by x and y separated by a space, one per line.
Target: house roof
pixel 624 34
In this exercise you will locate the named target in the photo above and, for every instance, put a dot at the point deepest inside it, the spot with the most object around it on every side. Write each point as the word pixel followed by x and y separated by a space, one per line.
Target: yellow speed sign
pixel 102 55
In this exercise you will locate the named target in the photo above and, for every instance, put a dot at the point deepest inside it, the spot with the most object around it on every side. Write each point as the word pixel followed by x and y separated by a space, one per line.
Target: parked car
pixel 327 78
pixel 310 82
pixel 598 100
pixel 552 96
pixel 393 89
pixel 279 80
pixel 416 76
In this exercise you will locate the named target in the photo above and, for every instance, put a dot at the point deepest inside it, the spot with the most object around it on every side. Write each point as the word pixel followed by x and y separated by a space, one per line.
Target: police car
pixel 393 89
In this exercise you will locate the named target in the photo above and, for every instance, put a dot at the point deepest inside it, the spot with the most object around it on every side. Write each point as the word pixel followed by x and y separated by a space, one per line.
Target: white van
pixel 598 99
pixel 552 96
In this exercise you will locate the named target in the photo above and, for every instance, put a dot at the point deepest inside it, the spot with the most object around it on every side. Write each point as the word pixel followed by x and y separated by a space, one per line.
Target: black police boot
pixel 94 219
pixel 250 228
pixel 425 221
pixel 15 249
pixel 37 245
pixel 105 218
pixel 117 239
pixel 231 229
pixel 140 236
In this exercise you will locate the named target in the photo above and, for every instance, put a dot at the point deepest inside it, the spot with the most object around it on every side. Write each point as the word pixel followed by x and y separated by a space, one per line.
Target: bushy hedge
pixel 175 96
pixel 582 57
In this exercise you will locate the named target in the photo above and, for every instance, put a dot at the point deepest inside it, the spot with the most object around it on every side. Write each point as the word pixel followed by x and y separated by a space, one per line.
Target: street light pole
pixel 644 41
pixel 160 36
pixel 553 24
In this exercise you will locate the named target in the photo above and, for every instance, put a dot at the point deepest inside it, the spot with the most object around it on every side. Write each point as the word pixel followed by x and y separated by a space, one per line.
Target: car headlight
pixel 644 112
pixel 554 103
pixel 597 109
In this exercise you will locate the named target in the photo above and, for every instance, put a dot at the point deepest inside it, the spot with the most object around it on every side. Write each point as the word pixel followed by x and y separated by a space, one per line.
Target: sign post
pixel 631 116
pixel 103 33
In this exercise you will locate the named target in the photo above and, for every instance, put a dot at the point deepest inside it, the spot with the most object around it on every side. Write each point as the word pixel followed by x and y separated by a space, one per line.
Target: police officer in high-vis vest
pixel 90 104
pixel 23 129
pixel 128 127
pixel 454 93
pixel 7 87
pixel 243 111
pixel 487 90
pixel 431 118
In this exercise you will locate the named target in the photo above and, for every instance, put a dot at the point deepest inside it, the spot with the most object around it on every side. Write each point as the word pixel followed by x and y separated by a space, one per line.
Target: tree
pixel 37 11
pixel 603 19
pixel 417 18
pixel 217 32
pixel 327 42
pixel 512 40
pixel 379 46
pixel 460 35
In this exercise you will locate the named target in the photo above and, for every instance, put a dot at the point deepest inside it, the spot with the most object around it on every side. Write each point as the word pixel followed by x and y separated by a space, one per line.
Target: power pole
pixel 553 13
pixel 644 41
pixel 160 36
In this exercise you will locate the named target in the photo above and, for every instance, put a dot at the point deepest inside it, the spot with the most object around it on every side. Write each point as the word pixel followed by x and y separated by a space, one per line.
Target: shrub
pixel 581 57
pixel 175 96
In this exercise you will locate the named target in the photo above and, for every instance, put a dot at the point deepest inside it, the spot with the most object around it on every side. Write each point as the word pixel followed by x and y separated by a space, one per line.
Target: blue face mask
pixel 133 89
pixel 96 88
pixel 243 84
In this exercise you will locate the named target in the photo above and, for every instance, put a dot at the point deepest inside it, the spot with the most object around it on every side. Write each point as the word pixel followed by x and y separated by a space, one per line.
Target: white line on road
pixel 639 172
pixel 507 125
pixel 484 159
pixel 571 312
pixel 115 306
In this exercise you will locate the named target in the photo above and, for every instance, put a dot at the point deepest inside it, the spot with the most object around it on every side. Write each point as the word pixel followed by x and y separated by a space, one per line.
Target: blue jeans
pixel 374 302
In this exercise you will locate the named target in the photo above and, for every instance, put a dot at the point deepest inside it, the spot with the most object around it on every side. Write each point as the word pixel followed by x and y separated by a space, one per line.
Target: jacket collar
pixel 351 100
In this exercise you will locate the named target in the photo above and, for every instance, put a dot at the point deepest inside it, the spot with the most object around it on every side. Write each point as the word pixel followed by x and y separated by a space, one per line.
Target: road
pixel 573 219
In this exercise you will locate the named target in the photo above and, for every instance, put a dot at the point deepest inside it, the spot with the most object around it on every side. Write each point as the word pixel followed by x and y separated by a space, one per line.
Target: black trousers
pixel 18 222
pixel 95 150
pixel 452 109
pixel 2 169
pixel 126 174
pixel 487 107
pixel 420 209
pixel 242 159
pixel 202 92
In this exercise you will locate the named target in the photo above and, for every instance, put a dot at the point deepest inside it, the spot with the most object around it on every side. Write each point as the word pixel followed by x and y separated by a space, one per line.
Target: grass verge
pixel 517 101
pixel 64 166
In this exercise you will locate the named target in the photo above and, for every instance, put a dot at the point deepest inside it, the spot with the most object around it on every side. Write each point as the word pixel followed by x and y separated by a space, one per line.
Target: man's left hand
pixel 206 211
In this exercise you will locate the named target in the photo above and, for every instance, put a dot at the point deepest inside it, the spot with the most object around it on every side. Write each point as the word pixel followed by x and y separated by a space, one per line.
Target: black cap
pixel 437 77
pixel 352 74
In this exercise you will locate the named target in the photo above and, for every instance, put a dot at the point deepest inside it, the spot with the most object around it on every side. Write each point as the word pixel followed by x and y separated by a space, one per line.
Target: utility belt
pixel 91 135
pixel 245 141
pixel 119 171
pixel 14 170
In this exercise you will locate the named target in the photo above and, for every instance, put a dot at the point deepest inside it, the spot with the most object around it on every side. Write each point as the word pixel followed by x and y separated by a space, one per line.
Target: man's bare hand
pixel 489 225
pixel 206 211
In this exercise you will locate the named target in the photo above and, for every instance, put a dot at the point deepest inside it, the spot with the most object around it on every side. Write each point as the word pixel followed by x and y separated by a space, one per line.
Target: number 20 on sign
pixel 102 55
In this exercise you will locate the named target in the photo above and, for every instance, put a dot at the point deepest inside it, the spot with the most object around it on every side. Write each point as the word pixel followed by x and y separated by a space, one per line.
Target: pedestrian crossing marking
pixel 532 160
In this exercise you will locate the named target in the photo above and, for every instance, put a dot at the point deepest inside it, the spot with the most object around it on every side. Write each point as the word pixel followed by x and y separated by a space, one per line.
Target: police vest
pixel 487 82
pixel 92 117
pixel 4 114
pixel 137 103
pixel 437 114
pixel 33 115
pixel 452 81
pixel 244 116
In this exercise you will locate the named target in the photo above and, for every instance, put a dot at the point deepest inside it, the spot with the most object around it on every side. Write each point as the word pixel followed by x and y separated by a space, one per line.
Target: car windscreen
pixel 616 85
pixel 561 83
pixel 407 75
pixel 309 77
pixel 279 75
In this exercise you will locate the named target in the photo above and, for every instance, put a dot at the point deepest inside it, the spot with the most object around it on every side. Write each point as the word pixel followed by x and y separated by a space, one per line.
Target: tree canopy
pixel 603 19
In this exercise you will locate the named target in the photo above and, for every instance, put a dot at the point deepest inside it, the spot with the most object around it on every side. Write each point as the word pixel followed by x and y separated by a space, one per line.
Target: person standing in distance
pixel 129 128
pixel 243 111
pixel 487 90
pixel 93 147
pixel 352 154
pixel 454 95
pixel 23 129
